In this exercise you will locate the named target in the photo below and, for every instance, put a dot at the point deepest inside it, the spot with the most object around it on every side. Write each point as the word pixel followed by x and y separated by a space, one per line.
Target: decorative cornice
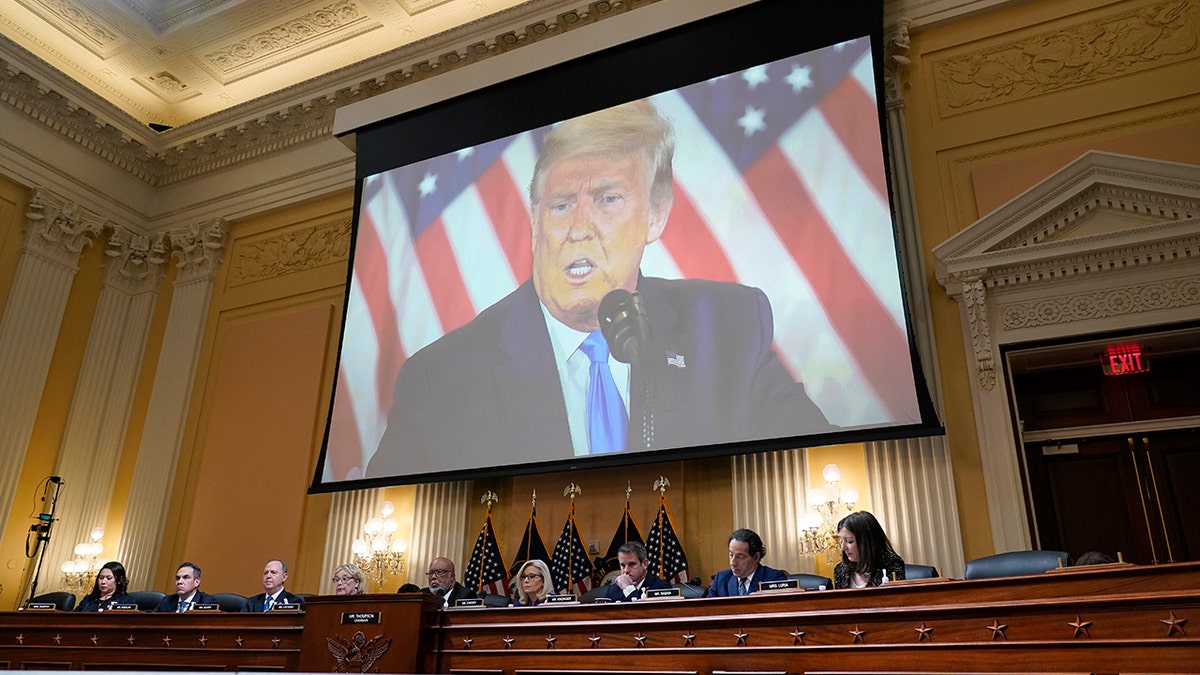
pixel 59 229
pixel 136 263
pixel 292 251
pixel 256 129
pixel 1111 46
pixel 1093 305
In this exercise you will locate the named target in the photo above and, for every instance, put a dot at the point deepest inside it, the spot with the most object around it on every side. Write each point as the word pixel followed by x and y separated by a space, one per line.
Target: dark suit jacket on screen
pixel 489 392
pixel 725 584
pixel 171 602
pixel 255 604
pixel 651 582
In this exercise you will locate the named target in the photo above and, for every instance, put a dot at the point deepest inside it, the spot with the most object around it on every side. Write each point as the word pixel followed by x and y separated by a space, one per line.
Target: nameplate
pixel 41 607
pixel 360 617
pixel 468 602
pixel 205 607
pixel 779 585
pixel 123 607
pixel 285 608
pixel 561 599
pixel 664 594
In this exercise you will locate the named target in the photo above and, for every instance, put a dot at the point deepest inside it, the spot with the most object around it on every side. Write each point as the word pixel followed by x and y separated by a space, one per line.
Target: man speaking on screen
pixel 532 378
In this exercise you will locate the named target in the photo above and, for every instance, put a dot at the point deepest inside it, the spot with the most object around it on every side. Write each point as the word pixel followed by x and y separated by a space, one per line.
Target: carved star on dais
pixel 1080 626
pixel 859 634
pixel 1174 625
pixel 924 632
pixel 797 637
pixel 998 629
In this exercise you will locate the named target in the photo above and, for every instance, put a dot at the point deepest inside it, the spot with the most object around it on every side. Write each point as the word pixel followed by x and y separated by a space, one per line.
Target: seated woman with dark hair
pixel 109 589
pixel 533 584
pixel 867 556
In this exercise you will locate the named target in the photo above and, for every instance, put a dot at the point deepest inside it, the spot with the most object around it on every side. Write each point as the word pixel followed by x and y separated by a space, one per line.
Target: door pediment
pixel 1101 213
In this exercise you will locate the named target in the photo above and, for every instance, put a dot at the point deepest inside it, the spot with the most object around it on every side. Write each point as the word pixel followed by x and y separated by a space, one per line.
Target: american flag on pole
pixel 779 184
pixel 667 559
pixel 627 530
pixel 532 547
pixel 485 570
pixel 571 567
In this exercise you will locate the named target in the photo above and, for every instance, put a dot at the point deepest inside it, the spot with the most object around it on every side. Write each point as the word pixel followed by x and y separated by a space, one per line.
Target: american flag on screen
pixel 779 184
pixel 485 570
pixel 571 567
pixel 667 559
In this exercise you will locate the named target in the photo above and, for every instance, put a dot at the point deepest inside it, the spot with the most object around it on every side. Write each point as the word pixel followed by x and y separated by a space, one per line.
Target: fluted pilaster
pixel 92 441
pixel 346 517
pixel 769 497
pixel 197 250
pixel 55 234
pixel 439 526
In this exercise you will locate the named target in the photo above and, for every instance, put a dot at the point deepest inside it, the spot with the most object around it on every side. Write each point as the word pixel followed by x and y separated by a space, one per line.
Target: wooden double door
pixel 1139 495
pixel 1122 472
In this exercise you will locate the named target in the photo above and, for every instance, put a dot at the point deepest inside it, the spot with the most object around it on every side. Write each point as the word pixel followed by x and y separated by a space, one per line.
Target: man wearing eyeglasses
pixel 442 582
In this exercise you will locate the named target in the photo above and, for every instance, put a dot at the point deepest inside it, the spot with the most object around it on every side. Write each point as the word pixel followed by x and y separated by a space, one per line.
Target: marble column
pixel 197 250
pixel 56 232
pixel 92 441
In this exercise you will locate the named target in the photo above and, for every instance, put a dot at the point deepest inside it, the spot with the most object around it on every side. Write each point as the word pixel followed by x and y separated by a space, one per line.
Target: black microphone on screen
pixel 626 329
pixel 625 325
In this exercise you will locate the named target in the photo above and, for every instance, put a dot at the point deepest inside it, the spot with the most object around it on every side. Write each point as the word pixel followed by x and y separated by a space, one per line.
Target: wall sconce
pixel 379 554
pixel 85 565
pixel 826 506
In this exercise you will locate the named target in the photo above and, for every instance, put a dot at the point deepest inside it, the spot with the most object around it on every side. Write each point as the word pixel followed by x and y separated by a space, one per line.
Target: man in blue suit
pixel 635 578
pixel 516 384
pixel 746 570
pixel 274 595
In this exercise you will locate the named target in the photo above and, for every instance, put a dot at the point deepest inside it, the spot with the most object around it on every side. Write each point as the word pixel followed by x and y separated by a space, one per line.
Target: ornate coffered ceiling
pixel 172 62
pixel 169 90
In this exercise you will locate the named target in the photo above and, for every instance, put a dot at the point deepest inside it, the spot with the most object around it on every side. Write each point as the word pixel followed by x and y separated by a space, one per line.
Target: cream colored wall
pixel 263 381
pixel 1135 89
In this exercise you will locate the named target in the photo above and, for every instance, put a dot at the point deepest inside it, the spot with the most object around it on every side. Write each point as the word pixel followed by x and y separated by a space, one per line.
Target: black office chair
pixel 912 571
pixel 812 582
pixel 1014 564
pixel 62 600
pixel 230 602
pixel 593 593
pixel 146 600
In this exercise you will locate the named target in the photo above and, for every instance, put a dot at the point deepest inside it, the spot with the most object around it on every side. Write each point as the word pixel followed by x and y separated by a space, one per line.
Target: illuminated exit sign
pixel 1124 360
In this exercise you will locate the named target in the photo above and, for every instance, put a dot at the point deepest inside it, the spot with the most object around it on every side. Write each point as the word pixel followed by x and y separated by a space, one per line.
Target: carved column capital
pixel 974 299
pixel 58 229
pixel 895 57
pixel 136 262
pixel 198 249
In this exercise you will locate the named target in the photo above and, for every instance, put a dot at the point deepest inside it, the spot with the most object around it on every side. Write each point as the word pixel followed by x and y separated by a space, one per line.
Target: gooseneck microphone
pixel 626 328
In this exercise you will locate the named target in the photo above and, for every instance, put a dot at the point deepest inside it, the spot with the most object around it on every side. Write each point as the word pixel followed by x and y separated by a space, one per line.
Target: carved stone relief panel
pixel 288 252
pixel 1113 45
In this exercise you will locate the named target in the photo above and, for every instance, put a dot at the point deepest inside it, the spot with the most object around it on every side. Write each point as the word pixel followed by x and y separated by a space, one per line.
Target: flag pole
pixel 661 485
pixel 571 492
pixel 487 500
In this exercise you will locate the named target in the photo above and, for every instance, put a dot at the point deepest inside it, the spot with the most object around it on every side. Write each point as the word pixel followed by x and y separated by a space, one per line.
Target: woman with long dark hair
pixel 867 556
pixel 109 589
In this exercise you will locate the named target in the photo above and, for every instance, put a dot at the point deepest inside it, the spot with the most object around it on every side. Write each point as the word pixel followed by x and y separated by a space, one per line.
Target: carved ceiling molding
pixel 77 19
pixel 1101 304
pixel 1107 47
pixel 292 39
pixel 273 122
pixel 295 250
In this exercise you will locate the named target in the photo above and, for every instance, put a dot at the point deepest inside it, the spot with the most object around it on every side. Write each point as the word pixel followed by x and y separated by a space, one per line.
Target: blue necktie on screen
pixel 607 420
